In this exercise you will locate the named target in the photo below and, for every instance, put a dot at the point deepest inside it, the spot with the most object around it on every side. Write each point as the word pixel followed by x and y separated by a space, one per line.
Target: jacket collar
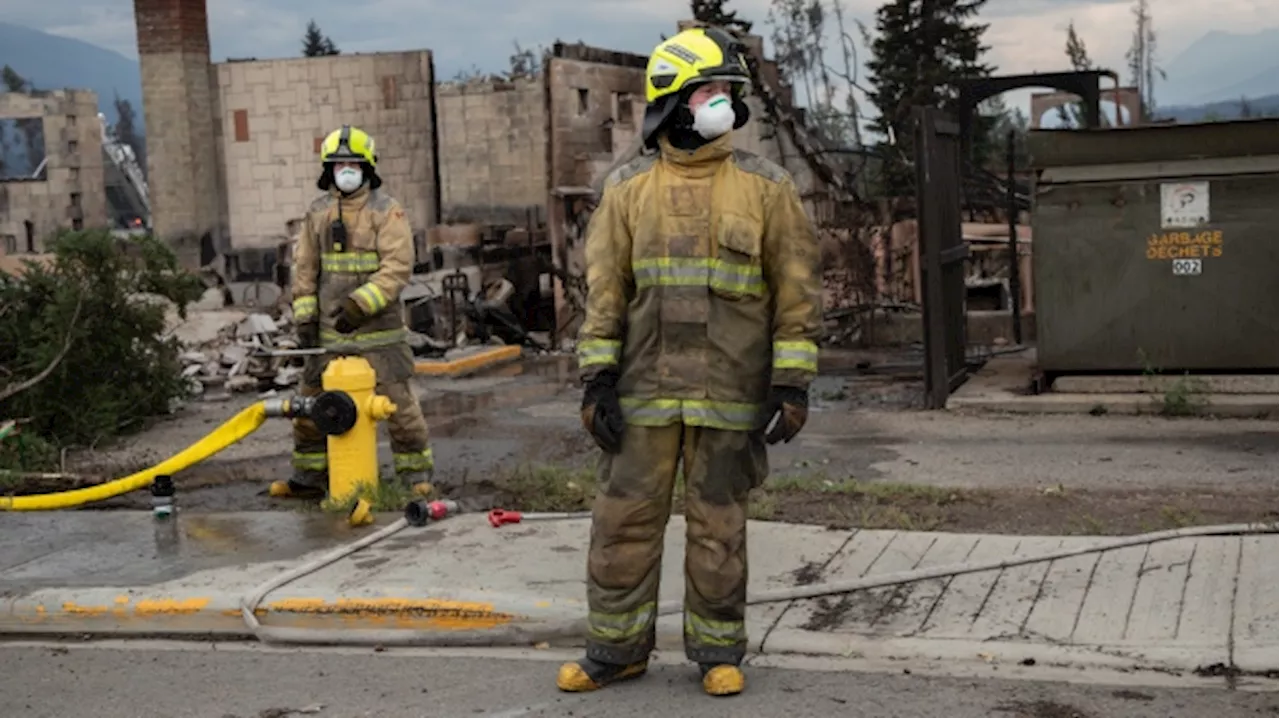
pixel 354 201
pixel 701 162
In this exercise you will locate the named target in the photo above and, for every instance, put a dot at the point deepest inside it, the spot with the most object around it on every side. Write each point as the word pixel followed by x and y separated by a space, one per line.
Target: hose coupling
pixel 333 412
pixel 422 512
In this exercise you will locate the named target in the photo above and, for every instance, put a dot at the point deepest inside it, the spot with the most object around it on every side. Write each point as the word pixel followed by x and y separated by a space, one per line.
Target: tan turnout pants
pixel 629 520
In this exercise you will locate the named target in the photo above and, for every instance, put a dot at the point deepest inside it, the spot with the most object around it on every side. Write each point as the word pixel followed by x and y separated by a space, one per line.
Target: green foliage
pixel 713 12
pixel 316 43
pixel 918 61
pixel 24 451
pixel 13 82
pixel 81 324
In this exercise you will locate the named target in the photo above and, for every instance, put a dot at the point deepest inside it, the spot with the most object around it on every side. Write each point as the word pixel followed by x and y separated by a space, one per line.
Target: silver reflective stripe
pixel 728 415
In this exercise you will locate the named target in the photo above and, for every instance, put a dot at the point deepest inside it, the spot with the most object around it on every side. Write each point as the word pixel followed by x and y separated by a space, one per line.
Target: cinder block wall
pixel 272 116
pixel 493 149
pixel 73 193
pixel 173 52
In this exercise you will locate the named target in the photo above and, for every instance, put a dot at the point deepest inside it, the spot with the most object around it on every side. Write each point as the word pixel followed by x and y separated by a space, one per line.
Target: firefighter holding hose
pixel 698 347
pixel 353 256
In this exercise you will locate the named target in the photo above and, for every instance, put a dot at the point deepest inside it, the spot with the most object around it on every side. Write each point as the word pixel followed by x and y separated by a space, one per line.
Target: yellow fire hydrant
pixel 353 454
pixel 347 411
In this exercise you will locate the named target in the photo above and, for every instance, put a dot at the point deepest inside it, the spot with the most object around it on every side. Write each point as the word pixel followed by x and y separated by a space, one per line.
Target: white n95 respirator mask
pixel 715 117
pixel 348 179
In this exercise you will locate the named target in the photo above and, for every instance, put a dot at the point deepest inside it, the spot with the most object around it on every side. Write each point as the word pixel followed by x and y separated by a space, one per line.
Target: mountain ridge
pixel 54 62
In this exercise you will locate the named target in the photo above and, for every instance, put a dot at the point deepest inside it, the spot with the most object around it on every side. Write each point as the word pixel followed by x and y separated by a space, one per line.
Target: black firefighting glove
pixel 309 334
pixel 348 317
pixel 602 413
pixel 785 413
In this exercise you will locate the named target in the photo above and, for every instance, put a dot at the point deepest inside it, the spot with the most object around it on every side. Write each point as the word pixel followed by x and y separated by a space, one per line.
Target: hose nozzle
pixel 422 512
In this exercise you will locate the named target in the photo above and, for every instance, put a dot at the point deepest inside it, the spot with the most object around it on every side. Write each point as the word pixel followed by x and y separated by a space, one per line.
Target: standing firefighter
pixel 353 256
pixel 702 314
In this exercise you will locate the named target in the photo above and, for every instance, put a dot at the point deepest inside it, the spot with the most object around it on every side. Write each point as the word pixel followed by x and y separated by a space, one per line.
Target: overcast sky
pixel 1025 35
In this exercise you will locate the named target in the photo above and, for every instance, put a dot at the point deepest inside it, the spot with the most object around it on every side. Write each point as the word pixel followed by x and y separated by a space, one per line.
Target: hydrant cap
pixel 350 374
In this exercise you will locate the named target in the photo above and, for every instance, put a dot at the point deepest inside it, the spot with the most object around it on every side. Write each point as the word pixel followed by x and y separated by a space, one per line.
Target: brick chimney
pixel 177 99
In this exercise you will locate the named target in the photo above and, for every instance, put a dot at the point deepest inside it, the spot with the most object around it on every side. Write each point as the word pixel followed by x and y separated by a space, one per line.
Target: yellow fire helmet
pixel 692 57
pixel 348 144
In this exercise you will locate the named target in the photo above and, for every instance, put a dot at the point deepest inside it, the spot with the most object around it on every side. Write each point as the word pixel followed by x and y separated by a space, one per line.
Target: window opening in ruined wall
pixel 30 229
pixel 623 111
pixel 21 147
pixel 606 135
pixel 584 101
pixel 241 121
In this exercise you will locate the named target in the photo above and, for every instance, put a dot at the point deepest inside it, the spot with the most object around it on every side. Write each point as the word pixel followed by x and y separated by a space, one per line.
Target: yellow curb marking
pixel 402 612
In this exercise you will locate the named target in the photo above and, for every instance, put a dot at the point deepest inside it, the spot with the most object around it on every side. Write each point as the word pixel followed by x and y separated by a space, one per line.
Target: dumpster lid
pixel 1209 167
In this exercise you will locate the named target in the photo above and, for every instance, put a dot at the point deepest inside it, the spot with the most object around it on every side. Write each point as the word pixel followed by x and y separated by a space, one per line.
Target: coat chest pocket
pixel 737 271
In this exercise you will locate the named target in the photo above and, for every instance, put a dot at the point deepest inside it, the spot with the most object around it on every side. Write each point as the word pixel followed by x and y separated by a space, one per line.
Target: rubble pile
pixel 230 352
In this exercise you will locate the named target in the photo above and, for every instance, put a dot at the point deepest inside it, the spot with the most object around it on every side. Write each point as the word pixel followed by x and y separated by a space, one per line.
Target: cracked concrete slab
pixel 1174 605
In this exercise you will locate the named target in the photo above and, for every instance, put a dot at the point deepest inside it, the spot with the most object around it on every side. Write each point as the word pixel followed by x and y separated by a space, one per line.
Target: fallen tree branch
pixel 18 388
pixel 47 476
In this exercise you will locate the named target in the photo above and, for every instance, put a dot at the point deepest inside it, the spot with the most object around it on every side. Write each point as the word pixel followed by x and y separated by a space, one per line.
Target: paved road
pixel 82 681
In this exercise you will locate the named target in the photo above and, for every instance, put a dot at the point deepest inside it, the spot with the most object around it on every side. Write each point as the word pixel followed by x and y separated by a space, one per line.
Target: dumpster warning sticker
pixel 1184 204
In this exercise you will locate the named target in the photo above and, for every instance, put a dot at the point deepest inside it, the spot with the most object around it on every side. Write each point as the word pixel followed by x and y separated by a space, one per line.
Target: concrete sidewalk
pixel 1182 605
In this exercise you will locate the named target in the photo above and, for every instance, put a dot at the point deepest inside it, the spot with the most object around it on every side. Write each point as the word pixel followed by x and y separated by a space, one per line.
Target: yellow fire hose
pixel 233 430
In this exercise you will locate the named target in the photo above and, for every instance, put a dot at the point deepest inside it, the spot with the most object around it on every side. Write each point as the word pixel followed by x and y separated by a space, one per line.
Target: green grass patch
pixel 386 495
pixel 550 488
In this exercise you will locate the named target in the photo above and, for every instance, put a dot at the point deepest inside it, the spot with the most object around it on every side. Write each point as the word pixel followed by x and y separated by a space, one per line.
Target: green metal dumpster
pixel 1155 248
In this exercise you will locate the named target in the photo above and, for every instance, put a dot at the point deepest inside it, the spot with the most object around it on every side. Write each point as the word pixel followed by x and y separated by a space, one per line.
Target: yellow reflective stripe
pixel 310 461
pixel 370 298
pixel 594 352
pixel 622 626
pixel 795 355
pixel 366 340
pixel 414 461
pixel 709 632
pixel 305 308
pixel 727 415
pixel 349 262
pixel 699 272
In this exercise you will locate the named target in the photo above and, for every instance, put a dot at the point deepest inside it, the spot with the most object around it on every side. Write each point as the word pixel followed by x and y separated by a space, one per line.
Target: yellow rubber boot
pixel 293 490
pixel 723 680
pixel 587 675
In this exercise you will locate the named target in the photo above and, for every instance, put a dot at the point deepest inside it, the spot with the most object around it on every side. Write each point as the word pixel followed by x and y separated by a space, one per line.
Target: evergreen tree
pixel 316 43
pixel 922 48
pixel 713 12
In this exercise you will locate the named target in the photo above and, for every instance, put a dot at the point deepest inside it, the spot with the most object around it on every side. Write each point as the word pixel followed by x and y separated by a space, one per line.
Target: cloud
pixel 1024 35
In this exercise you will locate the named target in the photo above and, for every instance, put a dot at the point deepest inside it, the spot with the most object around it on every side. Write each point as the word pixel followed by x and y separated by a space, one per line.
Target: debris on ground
pixel 229 352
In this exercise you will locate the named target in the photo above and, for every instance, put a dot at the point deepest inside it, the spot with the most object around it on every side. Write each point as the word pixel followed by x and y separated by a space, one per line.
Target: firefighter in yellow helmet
pixel 353 256
pixel 699 343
